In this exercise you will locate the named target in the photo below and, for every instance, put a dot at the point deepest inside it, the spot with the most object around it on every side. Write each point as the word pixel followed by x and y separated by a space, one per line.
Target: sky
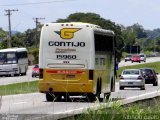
pixel 124 12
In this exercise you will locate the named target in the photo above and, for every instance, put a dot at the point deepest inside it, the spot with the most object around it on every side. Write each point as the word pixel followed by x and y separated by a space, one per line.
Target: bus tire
pixel 91 97
pixel 67 97
pixel 107 96
pixel 112 85
pixel 98 92
pixel 25 72
pixel 49 97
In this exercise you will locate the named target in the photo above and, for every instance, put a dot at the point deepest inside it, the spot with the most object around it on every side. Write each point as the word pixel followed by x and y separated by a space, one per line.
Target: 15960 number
pixel 68 57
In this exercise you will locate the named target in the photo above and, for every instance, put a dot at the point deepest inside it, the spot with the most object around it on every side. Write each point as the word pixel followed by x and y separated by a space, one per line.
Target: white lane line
pixel 19 103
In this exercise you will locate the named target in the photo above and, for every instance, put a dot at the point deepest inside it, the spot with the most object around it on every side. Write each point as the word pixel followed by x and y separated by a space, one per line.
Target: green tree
pixel 3 39
pixel 98 20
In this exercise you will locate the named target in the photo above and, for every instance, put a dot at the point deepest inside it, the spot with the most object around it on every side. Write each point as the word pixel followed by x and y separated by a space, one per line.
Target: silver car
pixel 128 57
pixel 143 57
pixel 131 78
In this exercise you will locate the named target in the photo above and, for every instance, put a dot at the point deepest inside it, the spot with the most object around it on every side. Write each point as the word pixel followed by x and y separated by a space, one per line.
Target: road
pixel 17 79
pixel 28 77
pixel 36 104
pixel 148 60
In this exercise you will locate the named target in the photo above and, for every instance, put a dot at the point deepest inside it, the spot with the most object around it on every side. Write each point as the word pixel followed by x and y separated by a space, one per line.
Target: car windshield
pixel 147 71
pixel 131 72
pixel 128 55
pixel 135 56
pixel 36 66
pixel 141 55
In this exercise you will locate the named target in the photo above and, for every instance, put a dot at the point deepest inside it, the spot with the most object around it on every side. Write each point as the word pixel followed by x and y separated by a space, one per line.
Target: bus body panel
pixel 67 63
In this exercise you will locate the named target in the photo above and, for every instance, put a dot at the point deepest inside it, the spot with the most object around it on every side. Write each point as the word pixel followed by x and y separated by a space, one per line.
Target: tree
pixel 98 20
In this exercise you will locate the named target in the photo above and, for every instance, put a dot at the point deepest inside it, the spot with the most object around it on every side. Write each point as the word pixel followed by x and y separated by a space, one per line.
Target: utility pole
pixel 37 23
pixel 9 26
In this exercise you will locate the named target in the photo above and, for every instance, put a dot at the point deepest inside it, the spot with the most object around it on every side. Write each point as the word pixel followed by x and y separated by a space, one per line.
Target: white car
pixel 131 78
pixel 128 57
pixel 143 57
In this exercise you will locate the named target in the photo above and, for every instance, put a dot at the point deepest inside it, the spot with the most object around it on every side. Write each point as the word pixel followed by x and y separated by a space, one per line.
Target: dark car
pixel 150 76
pixel 35 71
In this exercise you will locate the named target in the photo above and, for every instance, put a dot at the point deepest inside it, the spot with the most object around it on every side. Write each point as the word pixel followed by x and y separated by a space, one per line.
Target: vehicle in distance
pixel 143 57
pixel 150 76
pixel 136 58
pixel 131 78
pixel 35 71
pixel 128 57
pixel 13 62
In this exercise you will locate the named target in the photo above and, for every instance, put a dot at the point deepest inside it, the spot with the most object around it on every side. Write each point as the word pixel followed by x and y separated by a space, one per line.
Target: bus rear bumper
pixel 74 89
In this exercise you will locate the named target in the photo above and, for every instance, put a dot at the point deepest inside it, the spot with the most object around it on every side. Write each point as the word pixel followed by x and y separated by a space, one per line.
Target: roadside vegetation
pixel 136 111
pixel 19 88
pixel 149 40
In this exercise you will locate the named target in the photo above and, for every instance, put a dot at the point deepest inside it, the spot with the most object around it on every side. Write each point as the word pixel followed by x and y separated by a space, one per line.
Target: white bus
pixel 76 59
pixel 13 61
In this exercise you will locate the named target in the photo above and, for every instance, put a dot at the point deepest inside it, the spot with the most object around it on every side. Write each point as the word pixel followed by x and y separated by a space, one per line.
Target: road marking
pixel 19 103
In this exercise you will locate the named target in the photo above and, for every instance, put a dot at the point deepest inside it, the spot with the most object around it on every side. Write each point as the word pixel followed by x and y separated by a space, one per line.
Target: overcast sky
pixel 125 12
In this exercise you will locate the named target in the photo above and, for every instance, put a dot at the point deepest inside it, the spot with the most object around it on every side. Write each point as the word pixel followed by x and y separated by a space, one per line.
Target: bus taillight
pixel 90 74
pixel 40 73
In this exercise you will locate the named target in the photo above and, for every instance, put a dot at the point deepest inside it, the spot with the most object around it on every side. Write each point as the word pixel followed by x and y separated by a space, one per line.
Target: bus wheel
pixel 106 96
pixel 58 98
pixel 67 97
pixel 112 85
pixel 98 92
pixel 49 97
pixel 91 97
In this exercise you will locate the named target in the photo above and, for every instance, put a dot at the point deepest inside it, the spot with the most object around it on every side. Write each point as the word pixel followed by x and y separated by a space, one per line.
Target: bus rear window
pixel 103 43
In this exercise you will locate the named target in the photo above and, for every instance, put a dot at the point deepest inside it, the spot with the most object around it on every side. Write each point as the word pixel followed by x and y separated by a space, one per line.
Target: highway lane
pixel 148 60
pixel 28 77
pixel 36 104
pixel 17 79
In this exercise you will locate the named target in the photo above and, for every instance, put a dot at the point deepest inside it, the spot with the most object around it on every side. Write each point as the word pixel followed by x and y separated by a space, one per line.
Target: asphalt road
pixel 36 104
pixel 148 60
pixel 17 79
pixel 28 77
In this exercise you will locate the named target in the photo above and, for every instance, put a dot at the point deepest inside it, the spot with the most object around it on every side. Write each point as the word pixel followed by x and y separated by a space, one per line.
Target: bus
pixel 76 59
pixel 13 61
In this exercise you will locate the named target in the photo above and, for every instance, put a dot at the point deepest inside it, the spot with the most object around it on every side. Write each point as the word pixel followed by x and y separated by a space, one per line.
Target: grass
pixel 135 111
pixel 19 88
pixel 154 65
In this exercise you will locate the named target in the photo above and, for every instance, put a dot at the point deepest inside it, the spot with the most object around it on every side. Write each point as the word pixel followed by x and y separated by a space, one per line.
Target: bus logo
pixel 67 33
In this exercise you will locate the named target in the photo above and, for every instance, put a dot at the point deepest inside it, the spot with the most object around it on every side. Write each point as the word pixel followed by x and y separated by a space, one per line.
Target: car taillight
pixel 40 73
pixel 121 77
pixel 140 78
pixel 151 76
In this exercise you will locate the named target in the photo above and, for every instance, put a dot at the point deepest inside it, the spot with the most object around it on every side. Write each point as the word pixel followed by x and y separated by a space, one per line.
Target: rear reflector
pixel 140 77
pixel 121 77
pixel 90 74
pixel 40 73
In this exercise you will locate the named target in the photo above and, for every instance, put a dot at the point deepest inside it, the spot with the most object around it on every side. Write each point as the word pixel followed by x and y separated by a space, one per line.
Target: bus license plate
pixel 70 76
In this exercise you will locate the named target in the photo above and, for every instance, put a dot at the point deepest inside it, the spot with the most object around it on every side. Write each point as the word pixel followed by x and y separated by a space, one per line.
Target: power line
pixel 9 26
pixel 35 3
